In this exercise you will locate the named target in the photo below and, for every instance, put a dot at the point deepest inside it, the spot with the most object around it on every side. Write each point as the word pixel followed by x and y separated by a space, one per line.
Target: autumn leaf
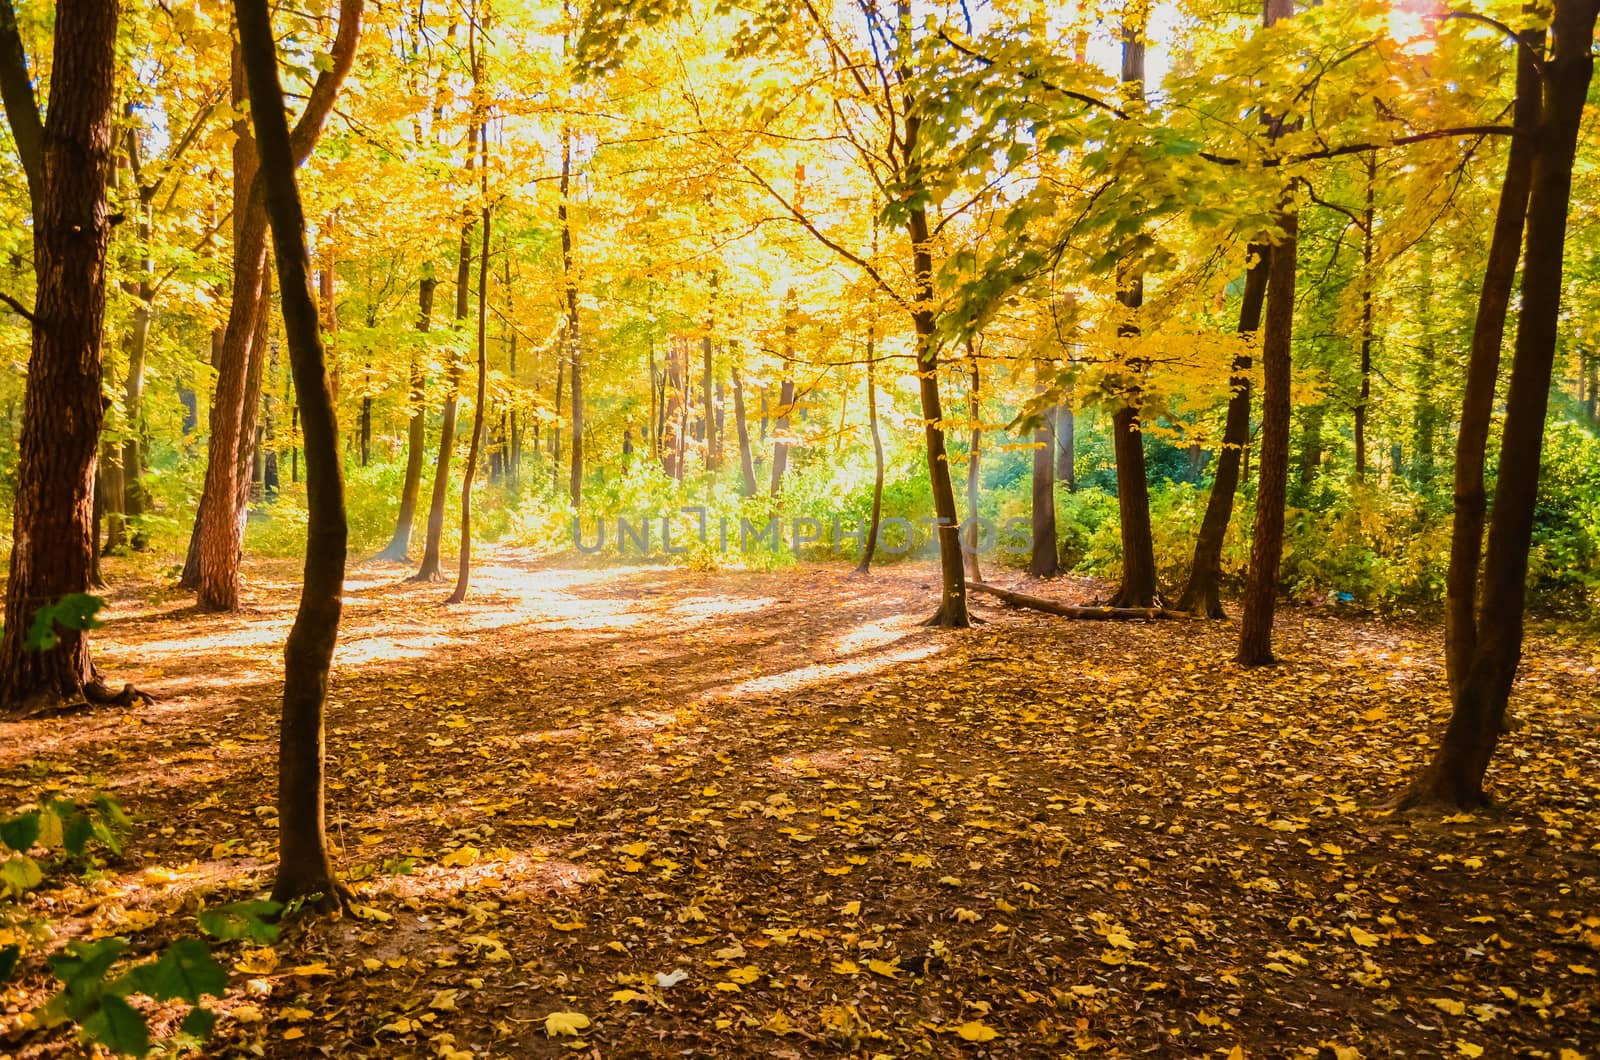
pixel 557 1024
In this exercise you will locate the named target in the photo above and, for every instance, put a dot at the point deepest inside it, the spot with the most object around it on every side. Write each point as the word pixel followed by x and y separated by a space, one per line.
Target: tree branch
pixel 822 237
pixel 320 103
pixel 16 93
pixel 19 308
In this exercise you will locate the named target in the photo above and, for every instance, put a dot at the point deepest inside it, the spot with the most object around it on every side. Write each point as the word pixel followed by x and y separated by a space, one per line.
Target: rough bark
pixel 1454 777
pixel 67 160
pixel 305 869
pixel 1201 595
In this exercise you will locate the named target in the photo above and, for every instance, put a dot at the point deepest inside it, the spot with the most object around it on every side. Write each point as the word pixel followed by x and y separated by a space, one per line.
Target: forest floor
pixel 732 813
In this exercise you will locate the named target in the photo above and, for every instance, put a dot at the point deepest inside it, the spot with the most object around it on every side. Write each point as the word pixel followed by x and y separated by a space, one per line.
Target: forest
pixel 861 528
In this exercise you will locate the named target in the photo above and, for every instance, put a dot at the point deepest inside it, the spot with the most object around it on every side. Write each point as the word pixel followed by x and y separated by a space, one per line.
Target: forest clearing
pixel 871 528
pixel 1077 837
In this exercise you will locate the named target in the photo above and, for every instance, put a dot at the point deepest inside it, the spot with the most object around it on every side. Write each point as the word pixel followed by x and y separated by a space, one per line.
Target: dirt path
pixel 851 834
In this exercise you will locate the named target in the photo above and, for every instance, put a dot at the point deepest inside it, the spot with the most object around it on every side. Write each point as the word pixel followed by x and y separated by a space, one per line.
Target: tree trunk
pixel 747 469
pixel 780 448
pixel 877 457
pixel 1138 588
pixel 1066 456
pixel 1454 777
pixel 574 340
pixel 431 566
pixel 1311 447
pixel 416 434
pixel 67 161
pixel 952 610
pixel 1044 561
pixel 1425 416
pixel 110 484
pixel 1266 545
pixel 233 414
pixel 1483 370
pixel 464 568
pixel 974 454
pixel 555 426
pixel 1201 595
pixel 708 402
pixel 304 867
pixel 1368 281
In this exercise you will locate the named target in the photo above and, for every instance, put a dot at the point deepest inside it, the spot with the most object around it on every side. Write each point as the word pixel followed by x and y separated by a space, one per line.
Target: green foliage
pixel 76 611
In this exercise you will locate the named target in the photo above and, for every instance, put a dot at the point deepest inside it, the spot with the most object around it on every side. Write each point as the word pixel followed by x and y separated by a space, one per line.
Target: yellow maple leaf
pixel 565 1023
pixel 1361 937
pixel 977 1031
pixel 1466 1048
pixel 748 974
pixel 1447 1004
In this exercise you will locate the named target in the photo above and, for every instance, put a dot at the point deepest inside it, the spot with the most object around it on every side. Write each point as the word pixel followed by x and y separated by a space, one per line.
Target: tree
pixel 1201 594
pixel 464 568
pixel 220 522
pixel 1044 561
pixel 1266 543
pixel 1138 586
pixel 67 160
pixel 1484 648
pixel 304 867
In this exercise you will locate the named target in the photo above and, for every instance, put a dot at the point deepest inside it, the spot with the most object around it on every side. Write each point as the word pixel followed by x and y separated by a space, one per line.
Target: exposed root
pixel 100 694
pixel 1051 607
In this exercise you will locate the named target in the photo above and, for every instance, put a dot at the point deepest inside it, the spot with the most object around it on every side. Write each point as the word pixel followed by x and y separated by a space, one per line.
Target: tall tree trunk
pixel 1044 561
pixel 877 455
pixel 780 448
pixel 304 867
pixel 1138 588
pixel 747 469
pixel 1368 281
pixel 233 414
pixel 1266 545
pixel 66 159
pixel 1066 455
pixel 464 568
pixel 1311 446
pixel 974 454
pixel 1454 777
pixel 416 433
pixel 1201 595
pixel 709 411
pixel 143 292
pixel 111 486
pixel 555 425
pixel 1425 416
pixel 574 337
pixel 430 569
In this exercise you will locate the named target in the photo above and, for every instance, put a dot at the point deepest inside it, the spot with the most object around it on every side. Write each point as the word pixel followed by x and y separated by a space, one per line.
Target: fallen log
pixel 1089 611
